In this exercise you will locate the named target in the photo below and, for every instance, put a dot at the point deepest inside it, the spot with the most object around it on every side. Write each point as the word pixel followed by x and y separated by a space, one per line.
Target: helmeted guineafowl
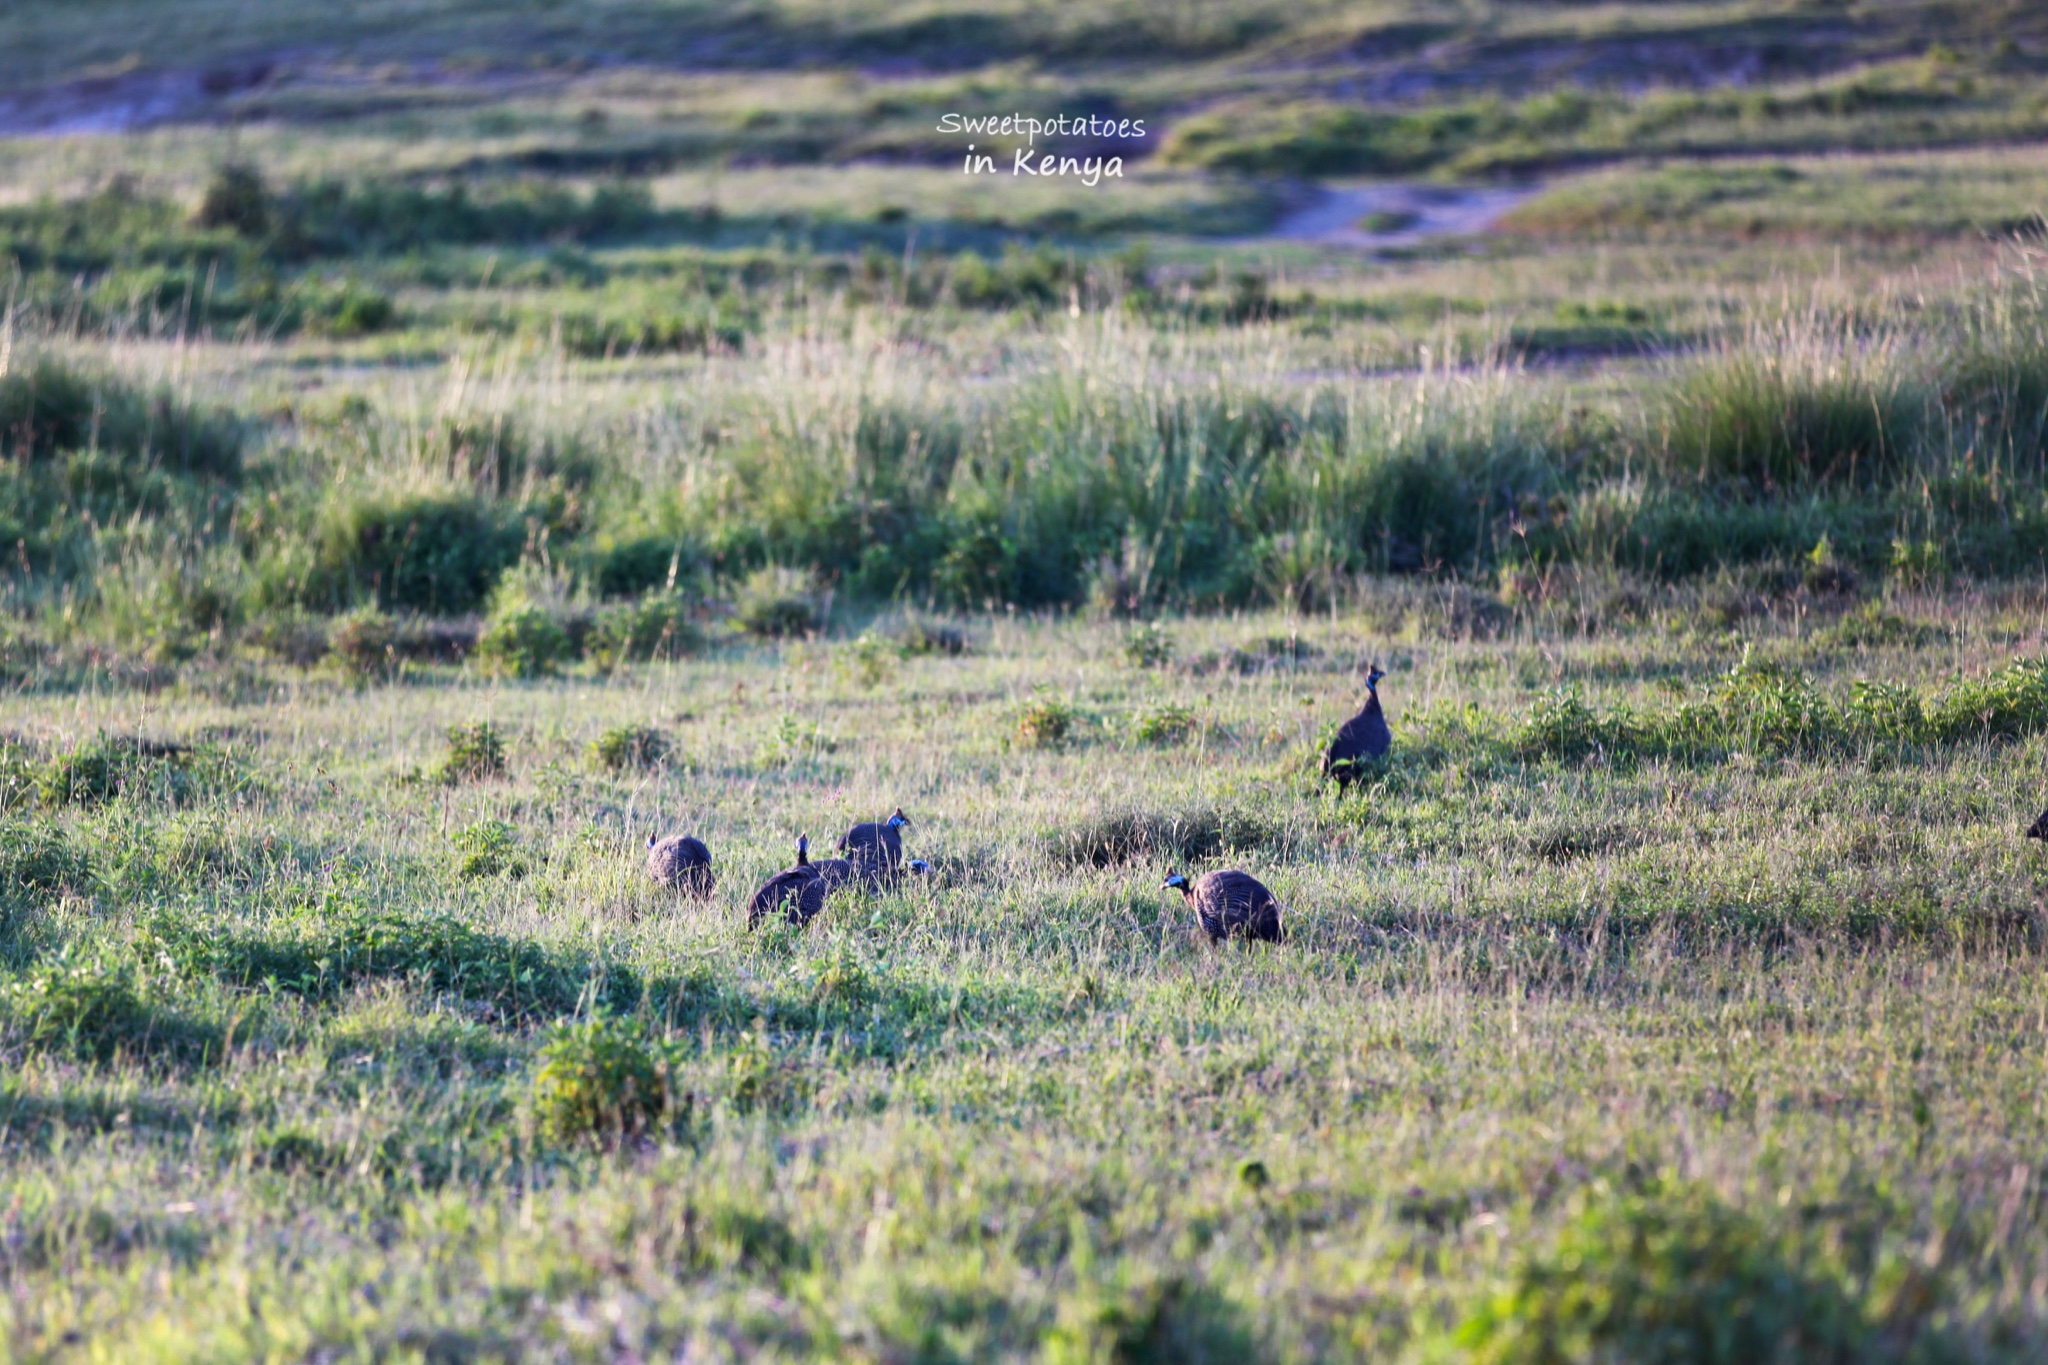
pixel 1363 738
pixel 876 848
pixel 2039 829
pixel 799 892
pixel 1231 902
pixel 681 863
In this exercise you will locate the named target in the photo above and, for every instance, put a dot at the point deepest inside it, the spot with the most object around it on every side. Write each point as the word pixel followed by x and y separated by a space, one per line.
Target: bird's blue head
pixel 803 847
pixel 650 841
pixel 899 819
pixel 919 866
pixel 1373 674
pixel 1174 881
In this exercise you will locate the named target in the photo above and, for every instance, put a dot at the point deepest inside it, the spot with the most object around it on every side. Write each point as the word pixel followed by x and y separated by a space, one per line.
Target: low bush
pixel 489 848
pixel 433 550
pixel 1776 709
pixel 1116 837
pixel 521 638
pixel 91 1009
pixel 1677 1275
pixel 49 406
pixel 322 953
pixel 365 642
pixel 602 1079
pixel 37 859
pixel 630 748
pixel 1149 646
pixel 1045 722
pixel 475 751
pixel 657 626
pixel 105 767
pixel 1164 724
pixel 777 602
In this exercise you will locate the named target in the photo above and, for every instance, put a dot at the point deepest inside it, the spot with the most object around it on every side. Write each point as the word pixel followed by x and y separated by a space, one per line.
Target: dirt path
pixel 1393 214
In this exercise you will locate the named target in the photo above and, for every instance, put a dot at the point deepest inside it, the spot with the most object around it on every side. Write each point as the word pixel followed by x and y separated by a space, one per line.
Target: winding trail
pixel 1410 213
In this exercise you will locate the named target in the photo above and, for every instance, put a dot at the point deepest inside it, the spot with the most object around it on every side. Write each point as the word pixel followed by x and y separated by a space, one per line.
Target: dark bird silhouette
pixel 876 848
pixel 681 863
pixel 1363 738
pixel 1231 902
pixel 2039 829
pixel 798 892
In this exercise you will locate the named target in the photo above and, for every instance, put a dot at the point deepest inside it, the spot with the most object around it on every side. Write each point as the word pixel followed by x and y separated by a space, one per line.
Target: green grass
pixel 1777 1006
pixel 493 435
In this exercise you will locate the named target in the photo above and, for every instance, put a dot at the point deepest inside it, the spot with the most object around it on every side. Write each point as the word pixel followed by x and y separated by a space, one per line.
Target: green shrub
pixel 1790 408
pixel 475 751
pixel 86 1008
pixel 658 626
pixel 37 858
pixel 489 848
pixel 776 602
pixel 50 406
pixel 869 659
pixel 1164 724
pixel 1045 722
pixel 432 551
pixel 1193 834
pixel 235 199
pixel 365 642
pixel 601 1079
pixel 108 766
pixel 1149 646
pixel 1673 1276
pixel 521 639
pixel 2008 704
pixel 630 748
pixel 321 954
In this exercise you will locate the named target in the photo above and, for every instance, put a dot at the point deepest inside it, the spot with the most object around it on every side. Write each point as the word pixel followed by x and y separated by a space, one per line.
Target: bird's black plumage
pixel 1362 739
pixel 875 848
pixel 798 892
pixel 1230 902
pixel 2039 829
pixel 681 863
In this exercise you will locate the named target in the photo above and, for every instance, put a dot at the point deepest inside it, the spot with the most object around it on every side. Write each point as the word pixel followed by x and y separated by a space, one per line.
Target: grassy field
pixel 443 444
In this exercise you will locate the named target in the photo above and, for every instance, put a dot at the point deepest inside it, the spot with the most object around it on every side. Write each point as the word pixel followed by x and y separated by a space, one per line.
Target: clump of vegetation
pixel 777 602
pixel 869 659
pixel 1149 646
pixel 1770 708
pixel 630 748
pixel 489 848
pixel 1167 723
pixel 85 1007
pixel 657 626
pixel 521 637
pixel 107 767
pixel 1046 722
pixel 1194 834
pixel 36 859
pixel 476 751
pixel 602 1080
pixel 365 642
pixel 1675 1274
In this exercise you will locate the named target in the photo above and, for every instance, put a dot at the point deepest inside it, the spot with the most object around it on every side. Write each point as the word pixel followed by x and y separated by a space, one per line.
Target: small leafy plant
pixel 476 751
pixel 489 848
pixel 1045 722
pixel 602 1080
pixel 630 748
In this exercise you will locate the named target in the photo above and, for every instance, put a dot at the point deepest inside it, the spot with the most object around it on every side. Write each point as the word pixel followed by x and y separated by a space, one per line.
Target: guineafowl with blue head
pixel 1230 903
pixel 1363 739
pixel 876 848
